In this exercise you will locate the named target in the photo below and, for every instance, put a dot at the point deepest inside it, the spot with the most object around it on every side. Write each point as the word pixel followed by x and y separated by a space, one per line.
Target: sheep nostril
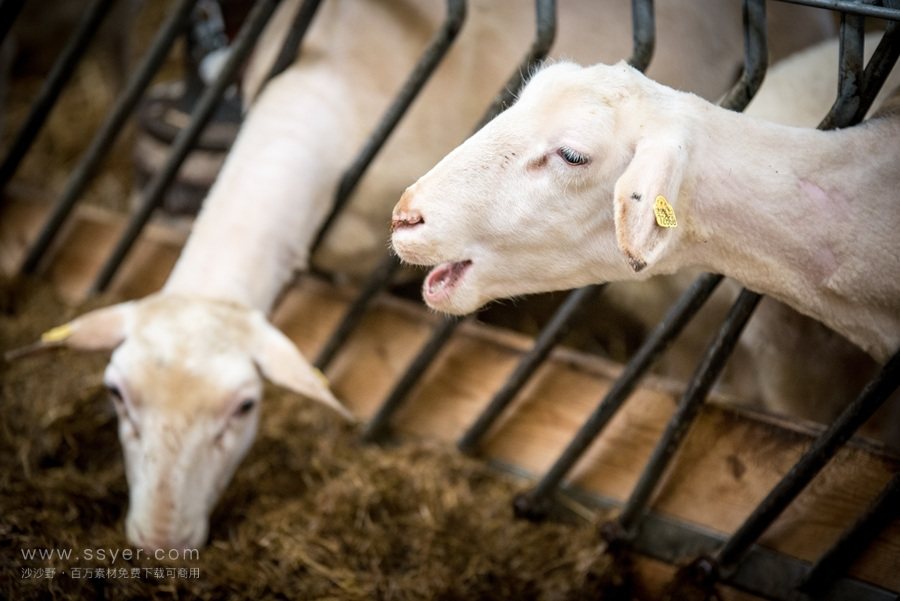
pixel 404 220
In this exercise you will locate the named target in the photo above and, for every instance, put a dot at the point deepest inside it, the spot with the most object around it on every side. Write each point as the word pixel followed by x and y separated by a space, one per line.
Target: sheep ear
pixel 283 364
pixel 101 329
pixel 645 201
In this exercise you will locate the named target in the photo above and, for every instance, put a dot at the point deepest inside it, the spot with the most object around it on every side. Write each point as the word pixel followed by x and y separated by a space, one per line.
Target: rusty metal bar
pixel 84 172
pixel 545 11
pixel 549 337
pixel 186 138
pixel 850 71
pixel 535 504
pixel 59 75
pixel 835 561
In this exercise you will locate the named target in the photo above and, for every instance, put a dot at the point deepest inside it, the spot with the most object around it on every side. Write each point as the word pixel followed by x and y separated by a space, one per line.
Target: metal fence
pixel 736 560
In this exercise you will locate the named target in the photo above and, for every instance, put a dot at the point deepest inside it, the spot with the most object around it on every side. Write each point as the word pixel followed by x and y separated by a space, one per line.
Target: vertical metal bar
pixel 9 10
pixel 850 71
pixel 643 34
pixel 205 107
pixel 535 503
pixel 545 18
pixel 813 460
pixel 291 46
pixel 880 64
pixel 378 280
pixel 548 338
pixel 59 75
pixel 714 359
pixel 378 426
pixel 106 136
pixel 835 561
pixel 544 35
pixel 437 49
pixel 756 57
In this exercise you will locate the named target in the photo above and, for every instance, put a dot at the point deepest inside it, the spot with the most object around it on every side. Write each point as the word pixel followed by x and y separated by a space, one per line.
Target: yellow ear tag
pixel 57 334
pixel 665 214
pixel 322 377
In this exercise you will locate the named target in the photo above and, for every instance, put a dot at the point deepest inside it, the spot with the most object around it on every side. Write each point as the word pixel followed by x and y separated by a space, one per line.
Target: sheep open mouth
pixel 441 280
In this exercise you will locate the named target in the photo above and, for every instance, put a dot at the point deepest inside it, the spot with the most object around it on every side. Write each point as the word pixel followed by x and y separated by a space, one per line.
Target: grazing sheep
pixel 600 174
pixel 183 372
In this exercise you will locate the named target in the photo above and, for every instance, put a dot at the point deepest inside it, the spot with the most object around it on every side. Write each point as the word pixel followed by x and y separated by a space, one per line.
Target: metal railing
pixel 858 85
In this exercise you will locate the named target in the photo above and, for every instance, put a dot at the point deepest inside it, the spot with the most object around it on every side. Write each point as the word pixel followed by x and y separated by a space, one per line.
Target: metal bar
pixel 643 34
pixel 381 276
pixel 437 49
pixel 850 71
pixel 835 561
pixel 378 426
pixel 84 172
pixel 548 338
pixel 880 64
pixel 535 504
pixel 813 460
pixel 545 17
pixel 756 57
pixel 291 46
pixel 186 138
pixel 544 35
pixel 852 7
pixel 9 10
pixel 712 363
pixel 375 283
pixel 59 75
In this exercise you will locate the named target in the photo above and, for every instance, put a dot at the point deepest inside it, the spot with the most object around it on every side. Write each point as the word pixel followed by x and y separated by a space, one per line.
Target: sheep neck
pixel 803 215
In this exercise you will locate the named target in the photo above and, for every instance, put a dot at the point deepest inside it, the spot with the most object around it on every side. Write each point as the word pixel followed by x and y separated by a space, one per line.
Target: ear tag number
pixel 665 214
pixel 57 334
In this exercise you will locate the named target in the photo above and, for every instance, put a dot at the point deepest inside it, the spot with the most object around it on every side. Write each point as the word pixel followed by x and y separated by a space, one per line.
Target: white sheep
pixel 600 174
pixel 184 368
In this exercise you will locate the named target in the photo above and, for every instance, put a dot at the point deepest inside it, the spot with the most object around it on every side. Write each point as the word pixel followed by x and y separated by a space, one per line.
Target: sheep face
pixel 184 379
pixel 529 203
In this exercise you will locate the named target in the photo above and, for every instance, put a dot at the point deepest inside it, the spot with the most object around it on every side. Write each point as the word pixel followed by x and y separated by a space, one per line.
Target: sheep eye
pixel 245 408
pixel 114 393
pixel 573 157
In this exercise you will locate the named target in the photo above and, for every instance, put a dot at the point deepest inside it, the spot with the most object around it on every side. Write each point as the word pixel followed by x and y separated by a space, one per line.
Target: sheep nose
pixel 404 215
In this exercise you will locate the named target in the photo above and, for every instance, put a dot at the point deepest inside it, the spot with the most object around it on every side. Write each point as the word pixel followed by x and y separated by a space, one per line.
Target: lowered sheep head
pixel 556 192
pixel 184 379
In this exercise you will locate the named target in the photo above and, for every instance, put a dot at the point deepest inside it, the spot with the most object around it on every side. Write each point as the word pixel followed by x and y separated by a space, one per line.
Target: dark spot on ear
pixel 635 196
pixel 636 264
pixel 736 466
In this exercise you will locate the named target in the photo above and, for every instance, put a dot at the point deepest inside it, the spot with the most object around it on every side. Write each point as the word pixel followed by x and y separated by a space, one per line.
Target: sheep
pixel 200 339
pixel 600 174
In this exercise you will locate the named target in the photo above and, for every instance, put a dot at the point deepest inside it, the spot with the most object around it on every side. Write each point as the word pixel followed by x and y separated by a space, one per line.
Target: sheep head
pixel 185 381
pixel 558 191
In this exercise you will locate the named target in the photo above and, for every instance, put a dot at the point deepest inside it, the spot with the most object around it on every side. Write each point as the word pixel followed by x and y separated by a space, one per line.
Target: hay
pixel 312 512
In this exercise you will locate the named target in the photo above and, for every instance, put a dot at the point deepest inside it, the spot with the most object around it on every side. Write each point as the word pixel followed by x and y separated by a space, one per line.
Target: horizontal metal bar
pixel 549 337
pixel 834 562
pixel 767 573
pixel 378 426
pixel 711 365
pixel 852 7
pixel 109 130
pixel 59 75
pixel 809 465
pixel 185 140
pixel 432 57
pixel 535 503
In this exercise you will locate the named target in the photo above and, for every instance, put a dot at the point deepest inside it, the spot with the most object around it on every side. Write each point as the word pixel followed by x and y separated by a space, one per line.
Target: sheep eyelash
pixel 573 157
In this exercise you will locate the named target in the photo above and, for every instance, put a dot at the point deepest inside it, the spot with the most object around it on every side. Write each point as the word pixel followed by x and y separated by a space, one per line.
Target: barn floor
pixel 311 514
